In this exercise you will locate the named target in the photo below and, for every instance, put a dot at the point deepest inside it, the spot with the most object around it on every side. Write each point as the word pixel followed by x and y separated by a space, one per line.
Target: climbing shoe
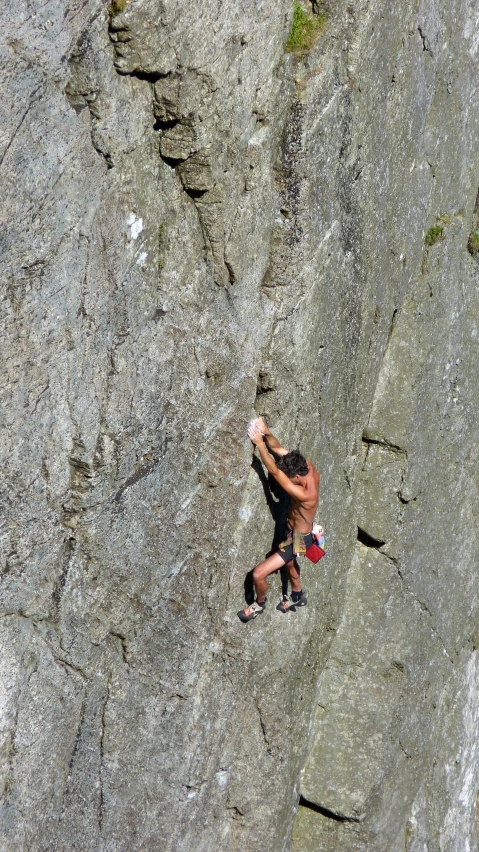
pixel 286 604
pixel 299 598
pixel 250 612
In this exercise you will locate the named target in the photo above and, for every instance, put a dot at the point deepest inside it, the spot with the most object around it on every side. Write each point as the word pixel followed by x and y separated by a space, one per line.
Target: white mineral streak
pixel 136 226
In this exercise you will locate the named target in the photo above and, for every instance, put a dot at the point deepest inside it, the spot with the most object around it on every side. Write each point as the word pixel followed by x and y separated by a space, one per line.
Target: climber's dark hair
pixel 293 464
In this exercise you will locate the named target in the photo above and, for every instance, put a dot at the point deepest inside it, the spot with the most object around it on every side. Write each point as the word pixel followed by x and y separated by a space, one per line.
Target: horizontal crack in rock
pixel 369 438
pixel 319 809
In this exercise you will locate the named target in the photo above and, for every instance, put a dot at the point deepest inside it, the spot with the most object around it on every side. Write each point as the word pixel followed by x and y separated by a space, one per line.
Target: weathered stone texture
pixel 196 226
pixel 405 650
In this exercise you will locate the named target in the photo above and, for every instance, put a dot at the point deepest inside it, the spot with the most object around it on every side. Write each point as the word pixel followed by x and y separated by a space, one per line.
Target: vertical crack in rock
pixel 123 645
pixel 101 768
pixel 58 589
pixel 425 41
pixel 77 740
pixel 392 326
pixel 263 726
pixel 33 99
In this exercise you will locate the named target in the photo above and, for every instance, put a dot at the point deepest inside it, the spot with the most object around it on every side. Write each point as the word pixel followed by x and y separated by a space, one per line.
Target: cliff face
pixel 197 225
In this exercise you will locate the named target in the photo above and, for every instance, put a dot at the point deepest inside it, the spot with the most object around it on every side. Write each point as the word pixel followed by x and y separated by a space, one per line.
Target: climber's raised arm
pixel 271 442
pixel 256 436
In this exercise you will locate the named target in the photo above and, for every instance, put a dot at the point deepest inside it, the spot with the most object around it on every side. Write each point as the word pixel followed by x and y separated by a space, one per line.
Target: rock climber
pixel 300 480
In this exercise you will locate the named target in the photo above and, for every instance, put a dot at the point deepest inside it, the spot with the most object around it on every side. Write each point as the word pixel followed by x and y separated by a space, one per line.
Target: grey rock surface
pixel 196 226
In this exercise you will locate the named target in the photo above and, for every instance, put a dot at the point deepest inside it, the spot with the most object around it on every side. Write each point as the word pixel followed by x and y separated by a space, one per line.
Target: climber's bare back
pixel 302 511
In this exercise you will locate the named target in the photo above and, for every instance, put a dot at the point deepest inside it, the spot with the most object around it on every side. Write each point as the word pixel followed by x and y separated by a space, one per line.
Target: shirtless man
pixel 300 479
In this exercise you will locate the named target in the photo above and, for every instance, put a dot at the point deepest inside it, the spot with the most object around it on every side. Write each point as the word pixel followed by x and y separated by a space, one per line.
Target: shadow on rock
pixel 278 503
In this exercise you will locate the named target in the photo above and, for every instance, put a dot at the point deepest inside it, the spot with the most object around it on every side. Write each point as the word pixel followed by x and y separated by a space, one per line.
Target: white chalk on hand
pixel 254 430
pixel 254 425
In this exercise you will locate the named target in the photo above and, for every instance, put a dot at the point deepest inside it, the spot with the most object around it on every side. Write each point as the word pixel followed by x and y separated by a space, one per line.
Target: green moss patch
pixel 116 7
pixel 473 243
pixel 305 30
pixel 434 235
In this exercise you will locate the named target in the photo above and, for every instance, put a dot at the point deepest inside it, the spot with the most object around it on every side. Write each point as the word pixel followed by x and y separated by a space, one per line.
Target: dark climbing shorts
pixel 286 548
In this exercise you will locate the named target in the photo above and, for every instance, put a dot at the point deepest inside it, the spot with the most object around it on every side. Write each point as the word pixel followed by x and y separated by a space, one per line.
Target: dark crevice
pixel 265 383
pixel 101 804
pixel 235 812
pixel 424 39
pixel 326 812
pixel 367 438
pixel 405 501
pixel 107 157
pixel 170 161
pixel 78 735
pixel 369 540
pixel 148 76
pixel 391 328
pixel 165 125
pixel 231 275
pixel 263 729
pixel 195 193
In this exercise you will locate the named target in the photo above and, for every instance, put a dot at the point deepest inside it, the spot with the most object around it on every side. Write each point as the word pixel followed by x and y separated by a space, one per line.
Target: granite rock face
pixel 197 226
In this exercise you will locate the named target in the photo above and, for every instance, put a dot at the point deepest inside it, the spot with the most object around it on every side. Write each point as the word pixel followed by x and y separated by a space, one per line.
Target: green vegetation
pixel 304 31
pixel 116 7
pixel 437 232
pixel 434 235
pixel 473 243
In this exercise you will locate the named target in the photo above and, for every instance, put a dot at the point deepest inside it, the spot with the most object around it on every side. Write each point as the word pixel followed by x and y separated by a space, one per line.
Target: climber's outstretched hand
pixel 259 422
pixel 255 433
